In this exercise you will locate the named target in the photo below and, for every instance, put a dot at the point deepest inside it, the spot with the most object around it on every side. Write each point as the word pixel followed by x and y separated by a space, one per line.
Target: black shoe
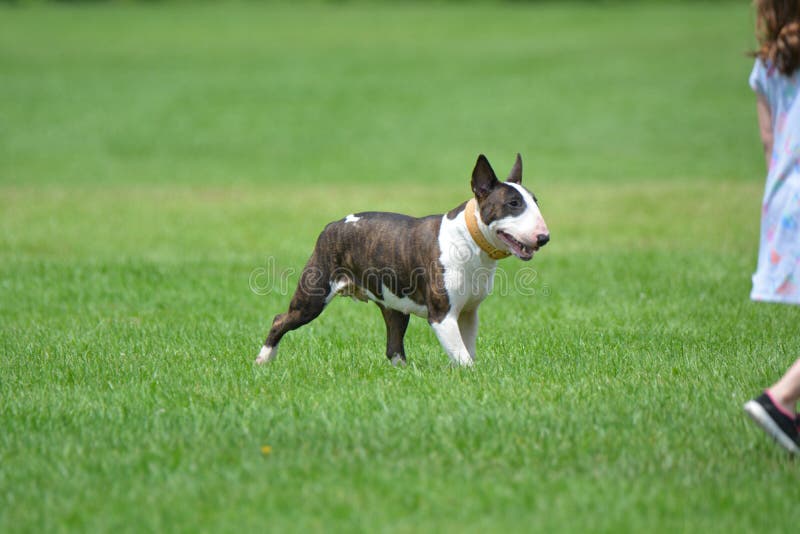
pixel 775 422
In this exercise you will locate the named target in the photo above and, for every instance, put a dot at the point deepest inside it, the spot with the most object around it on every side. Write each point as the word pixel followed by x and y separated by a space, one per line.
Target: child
pixel 777 278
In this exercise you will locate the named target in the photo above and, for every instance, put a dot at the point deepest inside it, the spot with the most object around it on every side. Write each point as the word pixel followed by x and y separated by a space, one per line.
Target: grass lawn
pixel 154 157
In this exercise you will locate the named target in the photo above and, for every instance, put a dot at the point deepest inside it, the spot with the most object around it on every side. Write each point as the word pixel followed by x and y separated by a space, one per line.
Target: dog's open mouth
pixel 518 249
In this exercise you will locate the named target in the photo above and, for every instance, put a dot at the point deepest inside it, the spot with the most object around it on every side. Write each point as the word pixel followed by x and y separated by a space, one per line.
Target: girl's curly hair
pixel 778 33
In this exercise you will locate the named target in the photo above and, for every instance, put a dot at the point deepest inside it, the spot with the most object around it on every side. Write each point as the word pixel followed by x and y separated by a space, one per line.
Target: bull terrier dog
pixel 439 267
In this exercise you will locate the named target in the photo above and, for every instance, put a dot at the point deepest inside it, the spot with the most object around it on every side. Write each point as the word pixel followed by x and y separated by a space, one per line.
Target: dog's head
pixel 509 212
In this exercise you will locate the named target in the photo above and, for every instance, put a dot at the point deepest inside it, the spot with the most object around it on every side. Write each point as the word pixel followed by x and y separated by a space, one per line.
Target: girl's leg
pixel 774 410
pixel 786 391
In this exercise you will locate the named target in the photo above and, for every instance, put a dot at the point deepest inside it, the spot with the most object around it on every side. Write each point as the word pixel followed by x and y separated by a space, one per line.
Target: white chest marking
pixel 468 273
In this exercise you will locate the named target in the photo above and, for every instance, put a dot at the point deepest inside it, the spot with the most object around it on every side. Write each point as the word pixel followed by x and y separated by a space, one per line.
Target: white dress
pixel 777 277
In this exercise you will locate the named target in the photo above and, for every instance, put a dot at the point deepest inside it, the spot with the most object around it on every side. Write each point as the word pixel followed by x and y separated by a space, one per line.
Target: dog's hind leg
pixel 312 294
pixel 396 324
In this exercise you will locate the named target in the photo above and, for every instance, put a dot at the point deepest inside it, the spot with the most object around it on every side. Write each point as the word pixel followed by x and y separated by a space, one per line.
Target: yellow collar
pixel 477 235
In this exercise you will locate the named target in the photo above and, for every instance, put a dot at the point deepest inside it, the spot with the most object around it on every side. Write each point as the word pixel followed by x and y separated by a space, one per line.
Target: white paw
pixel 266 355
pixel 398 361
pixel 463 362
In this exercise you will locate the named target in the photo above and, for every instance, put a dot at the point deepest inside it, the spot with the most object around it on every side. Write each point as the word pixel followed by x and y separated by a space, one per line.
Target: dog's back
pixel 365 254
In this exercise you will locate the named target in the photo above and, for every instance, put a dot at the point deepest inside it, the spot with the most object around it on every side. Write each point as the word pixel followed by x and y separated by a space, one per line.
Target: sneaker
pixel 775 421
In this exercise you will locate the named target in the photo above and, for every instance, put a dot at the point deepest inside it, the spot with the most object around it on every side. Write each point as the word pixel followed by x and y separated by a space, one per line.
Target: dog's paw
pixel 398 361
pixel 266 355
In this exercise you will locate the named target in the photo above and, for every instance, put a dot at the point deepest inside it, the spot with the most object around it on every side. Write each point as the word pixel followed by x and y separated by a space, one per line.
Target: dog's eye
pixel 514 203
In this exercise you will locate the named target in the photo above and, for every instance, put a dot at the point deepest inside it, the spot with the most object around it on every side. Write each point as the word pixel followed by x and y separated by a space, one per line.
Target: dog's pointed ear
pixel 483 178
pixel 515 176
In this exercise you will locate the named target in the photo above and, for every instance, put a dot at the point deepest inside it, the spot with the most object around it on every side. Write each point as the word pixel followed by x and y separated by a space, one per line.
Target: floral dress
pixel 777 277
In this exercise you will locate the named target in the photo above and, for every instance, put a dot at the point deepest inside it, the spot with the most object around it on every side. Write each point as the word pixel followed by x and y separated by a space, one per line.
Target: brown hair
pixel 778 33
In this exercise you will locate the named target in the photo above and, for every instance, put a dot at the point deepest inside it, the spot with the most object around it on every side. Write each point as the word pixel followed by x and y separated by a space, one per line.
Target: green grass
pixel 153 157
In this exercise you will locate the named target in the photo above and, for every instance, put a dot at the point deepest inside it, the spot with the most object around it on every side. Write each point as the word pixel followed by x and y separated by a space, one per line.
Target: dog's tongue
pixel 524 254
pixel 516 248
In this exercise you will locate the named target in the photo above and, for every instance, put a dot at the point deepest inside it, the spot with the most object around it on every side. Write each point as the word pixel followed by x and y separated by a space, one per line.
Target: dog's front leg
pixel 468 325
pixel 449 335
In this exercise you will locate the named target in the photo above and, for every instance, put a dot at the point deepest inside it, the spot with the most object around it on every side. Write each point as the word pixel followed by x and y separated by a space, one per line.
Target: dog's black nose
pixel 542 239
